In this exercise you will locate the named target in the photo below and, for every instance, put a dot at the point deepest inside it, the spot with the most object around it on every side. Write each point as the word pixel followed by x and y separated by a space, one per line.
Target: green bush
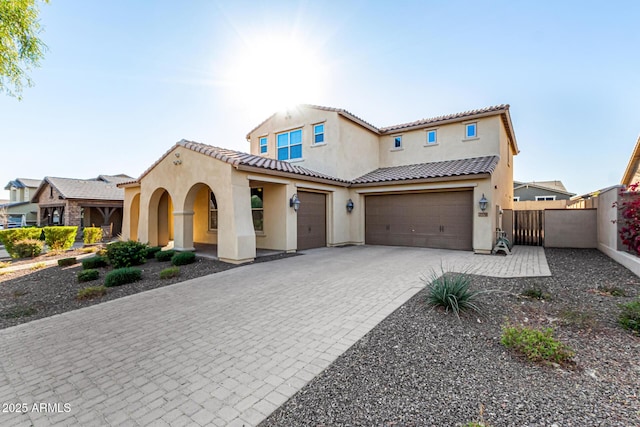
pixel 152 251
pixel 94 262
pixel 92 291
pixel 537 345
pixel 126 254
pixel 92 235
pixel 65 262
pixel 60 238
pixel 170 272
pixel 122 276
pixel 11 236
pixel 28 248
pixel 183 258
pixel 165 255
pixel 88 275
pixel 630 316
pixel 451 291
pixel 536 293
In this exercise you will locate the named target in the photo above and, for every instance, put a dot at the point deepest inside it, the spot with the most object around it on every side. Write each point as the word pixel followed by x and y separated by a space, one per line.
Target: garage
pixel 312 220
pixel 432 220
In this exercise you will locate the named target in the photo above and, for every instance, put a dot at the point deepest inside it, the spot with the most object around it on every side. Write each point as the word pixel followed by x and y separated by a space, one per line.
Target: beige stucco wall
pixel 570 228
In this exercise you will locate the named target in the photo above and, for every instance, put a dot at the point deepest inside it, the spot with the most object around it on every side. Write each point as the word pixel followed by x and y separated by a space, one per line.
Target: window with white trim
pixel 290 145
pixel 257 209
pixel 318 133
pixel 545 198
pixel 397 141
pixel 263 145
pixel 432 137
pixel 471 130
pixel 516 198
pixel 213 212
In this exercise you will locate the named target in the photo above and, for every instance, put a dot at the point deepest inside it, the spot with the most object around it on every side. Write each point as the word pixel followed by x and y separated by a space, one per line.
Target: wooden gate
pixel 528 228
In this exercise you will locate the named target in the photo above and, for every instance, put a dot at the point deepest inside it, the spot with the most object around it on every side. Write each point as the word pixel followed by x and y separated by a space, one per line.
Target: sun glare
pixel 273 73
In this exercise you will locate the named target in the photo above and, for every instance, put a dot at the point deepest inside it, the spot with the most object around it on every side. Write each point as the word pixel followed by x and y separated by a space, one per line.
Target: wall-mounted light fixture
pixel 483 203
pixel 294 202
pixel 350 205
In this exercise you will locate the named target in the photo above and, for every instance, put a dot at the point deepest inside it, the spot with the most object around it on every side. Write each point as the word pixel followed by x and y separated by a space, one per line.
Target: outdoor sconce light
pixel 294 202
pixel 483 203
pixel 349 205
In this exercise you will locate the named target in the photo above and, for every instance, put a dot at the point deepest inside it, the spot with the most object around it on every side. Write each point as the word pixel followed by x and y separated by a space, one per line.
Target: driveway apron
pixel 225 349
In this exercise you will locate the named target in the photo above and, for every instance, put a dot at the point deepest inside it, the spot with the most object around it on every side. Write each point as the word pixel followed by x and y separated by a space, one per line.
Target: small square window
pixel 263 145
pixel 397 142
pixel 318 134
pixel 432 137
pixel 471 130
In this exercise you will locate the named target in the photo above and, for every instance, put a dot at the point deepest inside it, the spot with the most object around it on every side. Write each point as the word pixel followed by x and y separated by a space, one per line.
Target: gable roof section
pixel 242 161
pixel 447 168
pixel 555 186
pixel 632 166
pixel 22 183
pixel 85 189
pixel 115 179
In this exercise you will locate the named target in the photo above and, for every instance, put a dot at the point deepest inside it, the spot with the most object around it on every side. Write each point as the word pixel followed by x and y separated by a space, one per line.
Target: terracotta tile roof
pixel 449 117
pixel 448 168
pixel 239 159
pixel 87 189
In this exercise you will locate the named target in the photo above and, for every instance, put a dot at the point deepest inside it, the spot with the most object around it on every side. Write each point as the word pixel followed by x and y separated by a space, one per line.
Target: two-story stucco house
pixel 319 176
pixel 19 209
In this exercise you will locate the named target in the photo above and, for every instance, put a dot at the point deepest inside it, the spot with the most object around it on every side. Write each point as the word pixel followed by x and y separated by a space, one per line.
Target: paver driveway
pixel 225 349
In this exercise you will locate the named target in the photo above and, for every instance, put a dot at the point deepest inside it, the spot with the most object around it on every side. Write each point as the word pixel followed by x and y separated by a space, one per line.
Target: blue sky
pixel 123 81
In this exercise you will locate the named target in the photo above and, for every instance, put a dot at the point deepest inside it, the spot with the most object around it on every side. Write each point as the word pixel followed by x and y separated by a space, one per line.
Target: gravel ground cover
pixel 34 293
pixel 424 367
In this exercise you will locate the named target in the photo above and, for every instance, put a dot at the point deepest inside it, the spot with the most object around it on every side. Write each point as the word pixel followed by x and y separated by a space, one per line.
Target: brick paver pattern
pixel 225 349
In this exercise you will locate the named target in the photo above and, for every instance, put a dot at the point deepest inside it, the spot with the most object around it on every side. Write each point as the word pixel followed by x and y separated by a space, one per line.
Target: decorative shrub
pixel 28 248
pixel 65 262
pixel 165 255
pixel 537 345
pixel 92 235
pixel 451 291
pixel 60 238
pixel 38 266
pixel 152 251
pixel 183 258
pixel 11 236
pixel 122 276
pixel 630 316
pixel 170 272
pixel 629 208
pixel 88 275
pixel 91 292
pixel 94 262
pixel 126 254
pixel 536 293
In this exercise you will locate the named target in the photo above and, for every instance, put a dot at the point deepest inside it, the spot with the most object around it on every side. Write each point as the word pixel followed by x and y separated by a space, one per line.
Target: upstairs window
pixel 257 209
pixel 432 137
pixel 263 145
pixel 471 130
pixel 397 142
pixel 318 134
pixel 545 198
pixel 213 212
pixel 290 145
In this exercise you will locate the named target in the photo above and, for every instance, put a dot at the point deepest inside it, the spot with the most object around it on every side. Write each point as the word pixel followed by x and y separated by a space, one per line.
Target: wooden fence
pixel 528 228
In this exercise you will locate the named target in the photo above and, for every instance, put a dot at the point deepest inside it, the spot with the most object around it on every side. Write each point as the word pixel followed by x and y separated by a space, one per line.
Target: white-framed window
pixel 257 208
pixel 397 141
pixel 213 212
pixel 516 198
pixel 26 194
pixel 471 130
pixel 290 145
pixel 432 137
pixel 544 198
pixel 318 133
pixel 263 145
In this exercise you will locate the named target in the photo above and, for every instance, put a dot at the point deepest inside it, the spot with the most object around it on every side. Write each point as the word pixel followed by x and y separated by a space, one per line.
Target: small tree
pixel 628 205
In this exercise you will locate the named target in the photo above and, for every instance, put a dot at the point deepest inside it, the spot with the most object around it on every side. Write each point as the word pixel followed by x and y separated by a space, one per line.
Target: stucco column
pixel 236 237
pixel 291 221
pixel 183 231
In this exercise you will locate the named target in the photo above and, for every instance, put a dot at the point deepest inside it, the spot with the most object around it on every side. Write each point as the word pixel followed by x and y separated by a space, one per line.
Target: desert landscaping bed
pixel 424 367
pixel 41 291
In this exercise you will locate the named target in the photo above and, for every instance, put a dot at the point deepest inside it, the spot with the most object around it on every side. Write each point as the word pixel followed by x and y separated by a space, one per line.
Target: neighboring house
pixel 632 173
pixel 19 207
pixel 540 195
pixel 319 176
pixel 83 202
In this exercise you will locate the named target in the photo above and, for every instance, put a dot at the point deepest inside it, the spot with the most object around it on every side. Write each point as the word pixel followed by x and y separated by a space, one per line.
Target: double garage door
pixel 432 220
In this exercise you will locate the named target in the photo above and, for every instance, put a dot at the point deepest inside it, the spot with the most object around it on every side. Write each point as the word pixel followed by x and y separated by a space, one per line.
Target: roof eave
pixel 423 180
pixel 632 165
pixel 293 175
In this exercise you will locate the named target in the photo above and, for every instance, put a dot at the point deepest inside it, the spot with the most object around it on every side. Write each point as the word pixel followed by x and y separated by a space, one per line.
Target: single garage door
pixel 312 220
pixel 431 220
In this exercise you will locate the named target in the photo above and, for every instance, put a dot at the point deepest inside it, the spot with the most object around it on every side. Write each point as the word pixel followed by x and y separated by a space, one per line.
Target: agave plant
pixel 451 291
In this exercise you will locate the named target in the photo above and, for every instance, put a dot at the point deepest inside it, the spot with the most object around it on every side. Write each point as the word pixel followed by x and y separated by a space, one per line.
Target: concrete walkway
pixel 225 349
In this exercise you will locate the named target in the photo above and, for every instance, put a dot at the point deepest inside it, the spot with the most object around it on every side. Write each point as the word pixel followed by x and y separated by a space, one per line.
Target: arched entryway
pixel 199 217
pixel 134 217
pixel 160 218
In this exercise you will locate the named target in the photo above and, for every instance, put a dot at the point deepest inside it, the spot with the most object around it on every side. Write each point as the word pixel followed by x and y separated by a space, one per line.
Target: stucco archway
pixel 160 222
pixel 134 217
pixel 198 219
